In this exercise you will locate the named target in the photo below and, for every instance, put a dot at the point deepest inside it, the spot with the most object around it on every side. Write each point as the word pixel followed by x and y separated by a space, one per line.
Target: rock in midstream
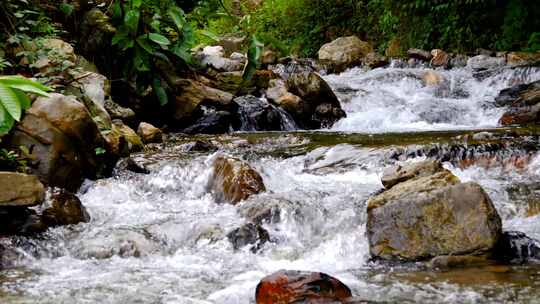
pixel 431 215
pixel 234 180
pixel 288 286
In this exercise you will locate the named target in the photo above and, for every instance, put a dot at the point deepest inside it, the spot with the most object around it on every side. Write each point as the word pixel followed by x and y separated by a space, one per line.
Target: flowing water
pixel 161 237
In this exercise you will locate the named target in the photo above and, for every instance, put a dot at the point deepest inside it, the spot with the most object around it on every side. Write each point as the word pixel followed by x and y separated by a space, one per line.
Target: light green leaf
pixel 23 99
pixel 178 17
pixel 183 53
pixel 6 121
pixel 131 20
pixel 159 39
pixel 11 103
pixel 254 55
pixel 209 35
pixel 20 80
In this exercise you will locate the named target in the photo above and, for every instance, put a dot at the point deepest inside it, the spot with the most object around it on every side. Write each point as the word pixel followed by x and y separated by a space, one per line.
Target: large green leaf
pixel 23 99
pixel 131 21
pixel 6 121
pixel 11 103
pixel 178 17
pixel 25 85
pixel 183 53
pixel 159 39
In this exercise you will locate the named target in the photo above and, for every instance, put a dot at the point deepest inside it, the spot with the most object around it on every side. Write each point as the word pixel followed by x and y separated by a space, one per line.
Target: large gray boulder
pixel 344 52
pixel 62 138
pixel 20 189
pixel 430 215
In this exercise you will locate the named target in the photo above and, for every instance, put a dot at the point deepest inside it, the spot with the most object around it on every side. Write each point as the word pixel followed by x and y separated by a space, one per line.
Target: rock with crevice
pixel 192 94
pixel 234 180
pixel 523 102
pixel 344 52
pixel 289 286
pixel 402 173
pixel 62 139
pixel 320 107
pixel 431 215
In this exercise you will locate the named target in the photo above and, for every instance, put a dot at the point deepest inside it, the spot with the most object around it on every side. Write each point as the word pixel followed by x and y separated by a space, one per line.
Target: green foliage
pixel 13 99
pixel 302 26
pixel 254 56
pixel 24 17
pixel 150 34
pixel 11 160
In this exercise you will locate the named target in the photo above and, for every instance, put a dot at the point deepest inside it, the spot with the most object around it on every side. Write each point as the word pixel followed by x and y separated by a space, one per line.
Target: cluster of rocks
pixel 222 100
pixel 523 103
pixel 22 211
pixel 425 214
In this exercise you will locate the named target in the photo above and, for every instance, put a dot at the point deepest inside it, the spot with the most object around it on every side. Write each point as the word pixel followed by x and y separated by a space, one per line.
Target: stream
pixel 162 238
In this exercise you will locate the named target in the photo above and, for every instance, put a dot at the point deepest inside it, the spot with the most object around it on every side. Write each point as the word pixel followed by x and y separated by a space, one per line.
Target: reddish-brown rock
pixel 287 286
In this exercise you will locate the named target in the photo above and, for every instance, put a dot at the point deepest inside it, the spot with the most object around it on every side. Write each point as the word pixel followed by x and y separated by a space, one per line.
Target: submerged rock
pixel 65 209
pixel 288 286
pixel 249 234
pixel 19 189
pixel 200 146
pixel 344 52
pixel 483 62
pixel 431 215
pixel 234 180
pixel 212 122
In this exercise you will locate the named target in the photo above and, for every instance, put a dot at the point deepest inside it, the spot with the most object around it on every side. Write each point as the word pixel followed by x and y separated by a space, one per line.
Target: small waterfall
pixel 420 99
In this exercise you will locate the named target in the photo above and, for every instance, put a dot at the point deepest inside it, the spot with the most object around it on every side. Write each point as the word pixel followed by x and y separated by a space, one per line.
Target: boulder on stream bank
pixel 288 286
pixel 18 189
pixel 62 139
pixel 344 52
pixel 234 180
pixel 427 212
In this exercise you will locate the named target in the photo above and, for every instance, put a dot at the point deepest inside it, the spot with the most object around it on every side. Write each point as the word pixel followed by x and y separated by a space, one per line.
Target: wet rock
pixel 440 58
pixel 234 180
pixel 523 59
pixel 192 94
pixel 419 54
pixel 96 32
pixel 20 190
pixel 432 78
pixel 17 220
pixel 201 146
pixel 289 66
pixel 320 108
pixel 65 209
pixel 431 216
pixel 458 61
pixel 278 94
pixel 122 140
pixel 524 104
pixel 129 164
pixel 399 174
pixel 459 261
pixel 212 122
pixel 287 287
pixel 249 234
pixel 62 138
pixel 344 52
pixel 516 247
pixel 116 111
pixel 257 114
pixel 149 134
pixel 483 62
pixel 374 60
